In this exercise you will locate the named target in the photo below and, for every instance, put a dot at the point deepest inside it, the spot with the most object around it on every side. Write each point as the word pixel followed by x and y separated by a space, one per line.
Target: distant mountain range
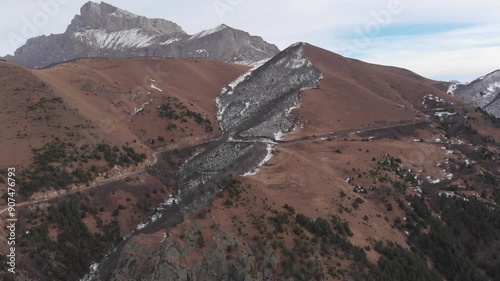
pixel 483 92
pixel 102 30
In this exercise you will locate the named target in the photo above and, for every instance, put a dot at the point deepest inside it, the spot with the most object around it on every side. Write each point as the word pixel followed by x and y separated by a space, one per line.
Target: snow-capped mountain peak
pixel 103 30
pixel 209 31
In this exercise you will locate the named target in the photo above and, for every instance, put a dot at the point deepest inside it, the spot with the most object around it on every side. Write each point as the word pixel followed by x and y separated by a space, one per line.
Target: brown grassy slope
pixel 92 100
pixel 108 92
pixel 354 93
pixel 32 114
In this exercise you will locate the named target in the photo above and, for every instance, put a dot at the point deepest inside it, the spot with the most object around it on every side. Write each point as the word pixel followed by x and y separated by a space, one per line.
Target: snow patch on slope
pixel 153 86
pixel 208 32
pixel 122 13
pixel 268 157
pixel 91 275
pixel 444 114
pixel 492 89
pixel 452 89
pixel 116 40
pixel 141 108
pixel 170 41
pixel 229 89
pixel 251 63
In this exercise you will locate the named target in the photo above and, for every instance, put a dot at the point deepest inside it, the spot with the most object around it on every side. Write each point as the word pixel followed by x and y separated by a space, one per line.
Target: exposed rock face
pixel 111 19
pixel 170 261
pixel 228 44
pixel 102 30
pixel 483 92
pixel 259 106
pixel 253 111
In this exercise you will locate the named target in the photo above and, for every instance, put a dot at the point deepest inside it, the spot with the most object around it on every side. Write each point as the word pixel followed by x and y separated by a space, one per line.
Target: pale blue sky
pixel 438 39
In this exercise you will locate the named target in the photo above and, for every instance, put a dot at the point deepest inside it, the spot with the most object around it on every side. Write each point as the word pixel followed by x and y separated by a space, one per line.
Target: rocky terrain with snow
pixel 102 30
pixel 246 144
pixel 483 92
pixel 251 114
pixel 259 106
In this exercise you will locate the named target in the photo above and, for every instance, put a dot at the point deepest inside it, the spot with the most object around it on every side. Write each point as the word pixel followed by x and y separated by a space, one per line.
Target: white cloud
pixel 462 54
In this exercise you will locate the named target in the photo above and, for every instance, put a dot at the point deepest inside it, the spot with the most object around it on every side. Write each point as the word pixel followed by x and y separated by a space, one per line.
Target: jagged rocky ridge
pixel 102 30
pixel 267 95
pixel 483 92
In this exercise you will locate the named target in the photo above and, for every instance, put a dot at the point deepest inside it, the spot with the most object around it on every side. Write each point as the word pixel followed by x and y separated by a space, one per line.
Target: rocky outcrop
pixel 222 258
pixel 102 30
pixel 483 92
pixel 103 16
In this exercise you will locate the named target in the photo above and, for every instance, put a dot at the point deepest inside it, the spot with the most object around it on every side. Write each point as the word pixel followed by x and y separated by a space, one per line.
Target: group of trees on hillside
pixel 70 255
pixel 59 164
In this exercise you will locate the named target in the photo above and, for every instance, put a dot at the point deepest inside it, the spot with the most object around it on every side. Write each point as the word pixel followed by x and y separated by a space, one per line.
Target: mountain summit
pixel 94 16
pixel 103 30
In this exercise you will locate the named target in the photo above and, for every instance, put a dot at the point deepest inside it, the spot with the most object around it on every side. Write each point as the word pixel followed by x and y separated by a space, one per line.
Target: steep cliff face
pixel 102 30
pixel 483 92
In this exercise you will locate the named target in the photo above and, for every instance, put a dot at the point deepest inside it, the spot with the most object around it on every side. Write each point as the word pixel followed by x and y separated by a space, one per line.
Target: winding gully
pixel 253 112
